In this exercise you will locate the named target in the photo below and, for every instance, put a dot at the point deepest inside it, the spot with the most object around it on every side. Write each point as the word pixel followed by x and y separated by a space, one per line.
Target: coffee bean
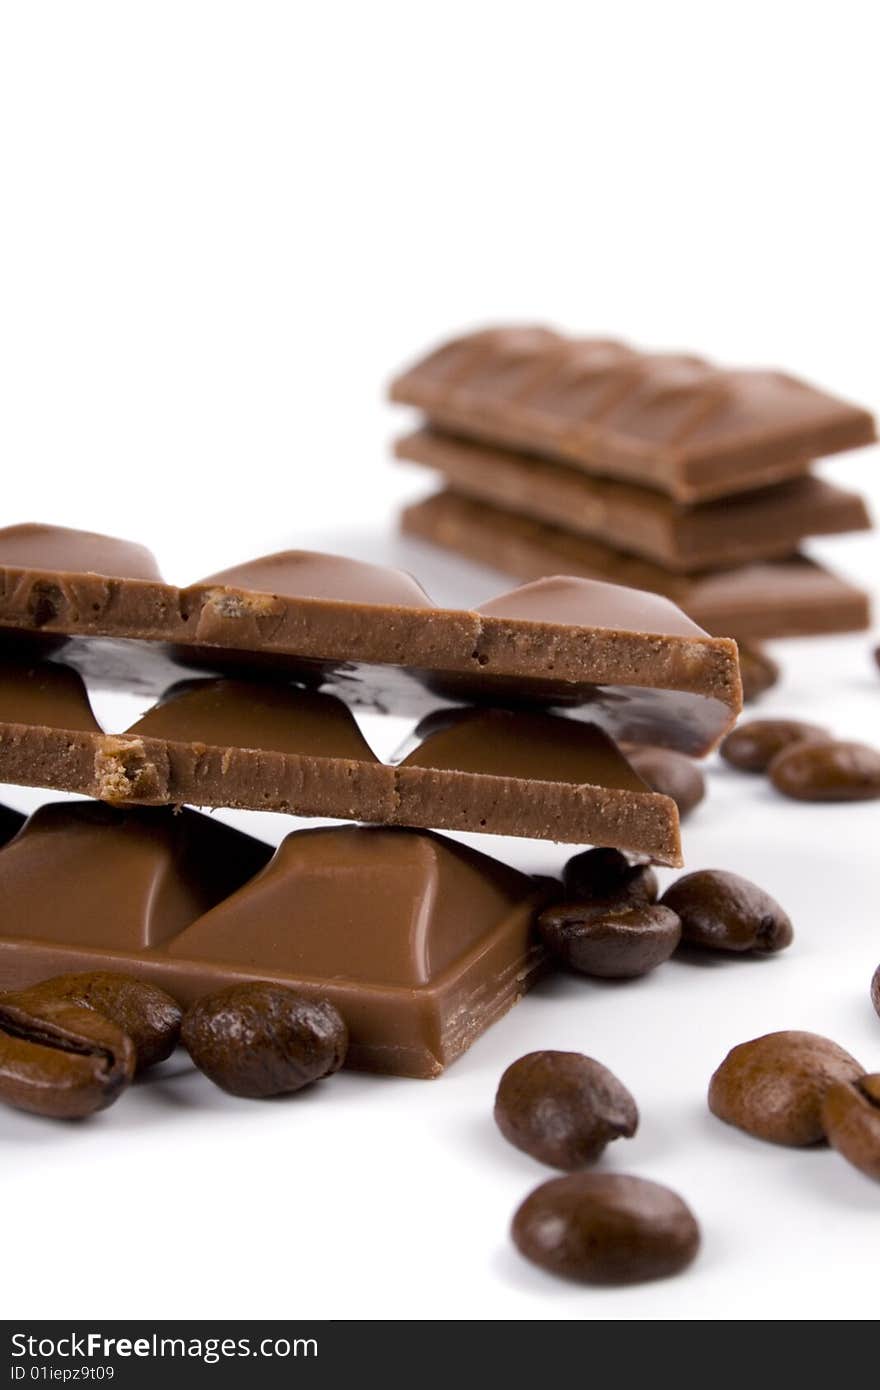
pixel 851 1120
pixel 606 875
pixel 608 941
pixel 606 1228
pixel 875 990
pixel 563 1108
pixel 670 774
pixel 149 1016
pixel 752 746
pixel 60 1060
pixel 727 913
pixel 263 1039
pixel 831 771
pixel 759 671
pixel 774 1086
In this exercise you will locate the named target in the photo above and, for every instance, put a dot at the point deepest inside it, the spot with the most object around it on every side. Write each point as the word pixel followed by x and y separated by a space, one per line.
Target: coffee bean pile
pixel 70 1046
pixel 804 761
pixel 611 925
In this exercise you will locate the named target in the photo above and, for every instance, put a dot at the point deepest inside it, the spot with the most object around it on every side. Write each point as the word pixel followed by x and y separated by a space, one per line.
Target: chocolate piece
pixel 671 774
pixel 751 747
pixel 323 616
pixel 147 1015
pixel 59 1060
pixel 563 1108
pixel 827 771
pixel 259 1040
pixel 763 525
pixel 758 670
pixel 537 775
pixel 851 1120
pixel 110 880
pixel 612 941
pixel 606 1228
pixel 273 747
pixel 725 912
pixel 10 823
pixel 672 422
pixel 418 942
pixel 774 1086
pixel 778 598
pixel 606 875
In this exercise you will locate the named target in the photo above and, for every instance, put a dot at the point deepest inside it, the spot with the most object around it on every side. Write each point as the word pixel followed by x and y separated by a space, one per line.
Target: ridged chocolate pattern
pixel 630 656
pixel 671 421
pixel 278 747
pixel 419 942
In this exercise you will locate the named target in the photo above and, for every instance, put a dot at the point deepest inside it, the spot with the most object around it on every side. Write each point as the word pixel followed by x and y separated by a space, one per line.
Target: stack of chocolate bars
pixel 254 678
pixel 663 472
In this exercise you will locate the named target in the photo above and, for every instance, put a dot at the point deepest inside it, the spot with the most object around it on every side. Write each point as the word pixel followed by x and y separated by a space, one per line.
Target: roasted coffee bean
pixel 606 875
pixel 759 671
pixel 60 1060
pixel 727 913
pixel 875 990
pixel 670 774
pixel 752 746
pixel 563 1108
pixel 831 771
pixel 263 1039
pixel 606 1228
pixel 774 1086
pixel 608 941
pixel 149 1016
pixel 851 1120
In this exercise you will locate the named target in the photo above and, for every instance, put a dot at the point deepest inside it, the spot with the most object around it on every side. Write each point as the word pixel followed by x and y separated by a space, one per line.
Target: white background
pixel 222 227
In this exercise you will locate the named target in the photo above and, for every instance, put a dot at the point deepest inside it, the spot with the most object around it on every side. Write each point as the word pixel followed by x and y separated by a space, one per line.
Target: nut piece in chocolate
pixel 775 1086
pixel 563 1108
pixel 149 1016
pixel 670 774
pixel 606 875
pixel 606 1228
pixel 831 771
pixel 612 942
pixel 60 1060
pixel 752 746
pixel 725 912
pixel 851 1120
pixel 260 1039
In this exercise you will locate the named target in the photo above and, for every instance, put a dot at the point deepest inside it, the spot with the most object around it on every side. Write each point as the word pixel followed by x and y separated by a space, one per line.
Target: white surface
pixel 224 226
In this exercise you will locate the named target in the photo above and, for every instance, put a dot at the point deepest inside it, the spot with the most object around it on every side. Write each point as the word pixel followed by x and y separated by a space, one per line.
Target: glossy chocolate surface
pixel 419 942
pixel 327 618
pixel 269 746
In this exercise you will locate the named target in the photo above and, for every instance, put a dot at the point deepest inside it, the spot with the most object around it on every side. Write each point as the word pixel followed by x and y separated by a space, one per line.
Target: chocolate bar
pixel 272 747
pixel 322 617
pixel 767 524
pixel 419 942
pixel 777 598
pixel 671 422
